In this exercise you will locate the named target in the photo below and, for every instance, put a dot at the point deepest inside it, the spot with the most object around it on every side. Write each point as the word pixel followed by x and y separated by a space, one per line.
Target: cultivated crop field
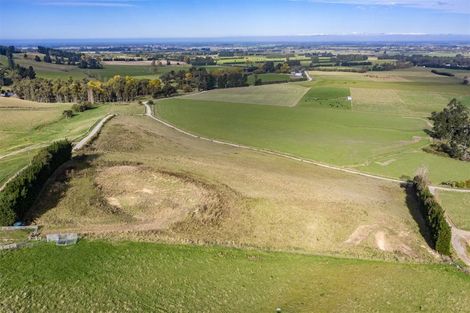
pixel 147 277
pixel 381 131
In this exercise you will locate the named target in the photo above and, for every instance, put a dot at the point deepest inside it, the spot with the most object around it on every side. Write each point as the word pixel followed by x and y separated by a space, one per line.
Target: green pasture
pixel 334 97
pixel 269 77
pixel 103 276
pixel 12 164
pixel 382 133
pixel 457 206
pixel 275 94
pixel 415 79
pixel 29 125
pixel 257 59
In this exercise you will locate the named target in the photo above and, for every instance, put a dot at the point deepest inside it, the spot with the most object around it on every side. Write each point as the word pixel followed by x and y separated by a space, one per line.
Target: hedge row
pixel 435 217
pixel 20 193
pixel 442 73
pixel 458 184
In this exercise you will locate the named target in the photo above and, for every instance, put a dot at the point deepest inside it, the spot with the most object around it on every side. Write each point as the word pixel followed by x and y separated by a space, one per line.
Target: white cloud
pixel 455 6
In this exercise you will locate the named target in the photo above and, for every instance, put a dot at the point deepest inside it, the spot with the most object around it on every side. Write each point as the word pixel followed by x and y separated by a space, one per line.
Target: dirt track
pixel 149 113
pixel 459 237
pixel 79 145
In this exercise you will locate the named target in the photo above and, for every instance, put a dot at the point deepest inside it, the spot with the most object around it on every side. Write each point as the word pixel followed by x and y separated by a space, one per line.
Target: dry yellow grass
pixel 229 196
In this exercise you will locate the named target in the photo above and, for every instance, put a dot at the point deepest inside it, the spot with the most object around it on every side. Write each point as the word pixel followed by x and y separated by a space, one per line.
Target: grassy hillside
pixel 145 277
pixel 26 126
pixel 381 131
pixel 143 180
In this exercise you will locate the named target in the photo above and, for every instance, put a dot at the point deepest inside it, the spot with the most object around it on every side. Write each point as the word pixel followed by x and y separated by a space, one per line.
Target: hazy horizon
pixel 136 19
pixel 343 39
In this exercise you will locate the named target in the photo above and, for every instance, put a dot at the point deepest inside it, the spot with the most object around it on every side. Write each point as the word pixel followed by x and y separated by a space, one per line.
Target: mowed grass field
pixel 381 131
pixel 145 277
pixel 26 126
pixel 143 180
pixel 277 94
pixel 269 77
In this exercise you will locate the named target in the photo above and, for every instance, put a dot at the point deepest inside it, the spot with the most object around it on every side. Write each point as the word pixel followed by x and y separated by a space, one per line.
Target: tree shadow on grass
pixel 56 186
pixel 415 209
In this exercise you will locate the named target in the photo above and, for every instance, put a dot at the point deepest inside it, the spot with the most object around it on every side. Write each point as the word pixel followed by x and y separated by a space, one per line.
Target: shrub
pixel 81 107
pixel 434 216
pixel 67 113
pixel 458 184
pixel 21 192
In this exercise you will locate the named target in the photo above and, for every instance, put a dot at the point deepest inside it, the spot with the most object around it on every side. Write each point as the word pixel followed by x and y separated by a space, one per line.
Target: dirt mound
pixel 156 197
pixel 381 238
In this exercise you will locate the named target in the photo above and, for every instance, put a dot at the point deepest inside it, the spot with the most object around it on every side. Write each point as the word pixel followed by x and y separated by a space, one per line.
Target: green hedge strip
pixel 434 215
pixel 20 193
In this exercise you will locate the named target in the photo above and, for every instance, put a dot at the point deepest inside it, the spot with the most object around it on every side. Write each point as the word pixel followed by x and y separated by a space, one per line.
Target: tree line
pixel 68 57
pixel 13 71
pixel 116 89
pixel 201 79
pixel 72 57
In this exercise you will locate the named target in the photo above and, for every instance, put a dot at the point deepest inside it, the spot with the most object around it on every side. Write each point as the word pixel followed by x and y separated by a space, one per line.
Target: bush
pixel 67 113
pixel 81 107
pixel 458 184
pixel 21 192
pixel 434 216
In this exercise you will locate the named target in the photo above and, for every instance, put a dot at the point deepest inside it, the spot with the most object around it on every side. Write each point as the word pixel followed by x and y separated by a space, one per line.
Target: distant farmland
pixel 63 71
pixel 382 130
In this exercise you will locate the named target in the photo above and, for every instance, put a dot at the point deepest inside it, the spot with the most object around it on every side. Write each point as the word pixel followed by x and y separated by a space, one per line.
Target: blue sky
pixel 49 19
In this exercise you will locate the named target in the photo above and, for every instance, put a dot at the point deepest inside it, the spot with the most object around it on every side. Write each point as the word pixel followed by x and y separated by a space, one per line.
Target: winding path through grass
pixel 459 236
